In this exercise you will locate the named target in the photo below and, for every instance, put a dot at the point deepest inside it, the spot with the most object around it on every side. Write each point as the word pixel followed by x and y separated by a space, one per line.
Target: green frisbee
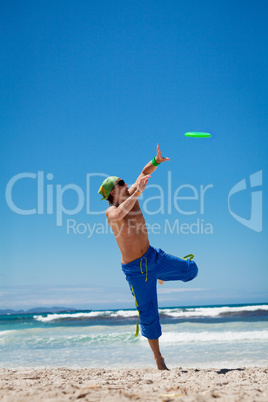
pixel 198 134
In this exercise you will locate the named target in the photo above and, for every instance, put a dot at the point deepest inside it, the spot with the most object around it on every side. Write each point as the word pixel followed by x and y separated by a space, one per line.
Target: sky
pixel 88 88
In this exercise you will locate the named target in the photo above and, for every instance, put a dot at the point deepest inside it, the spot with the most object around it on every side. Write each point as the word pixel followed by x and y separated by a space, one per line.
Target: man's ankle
pixel 158 356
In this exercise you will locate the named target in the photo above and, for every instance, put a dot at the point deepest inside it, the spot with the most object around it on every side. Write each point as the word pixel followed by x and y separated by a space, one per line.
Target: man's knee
pixel 149 321
pixel 192 271
pixel 148 313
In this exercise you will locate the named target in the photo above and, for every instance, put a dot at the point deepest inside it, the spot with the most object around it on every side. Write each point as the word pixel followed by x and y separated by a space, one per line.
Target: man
pixel 141 263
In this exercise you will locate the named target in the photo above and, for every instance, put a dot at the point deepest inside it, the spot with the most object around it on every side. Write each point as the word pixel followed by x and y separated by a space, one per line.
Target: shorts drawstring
pixel 145 267
pixel 190 256
pixel 137 324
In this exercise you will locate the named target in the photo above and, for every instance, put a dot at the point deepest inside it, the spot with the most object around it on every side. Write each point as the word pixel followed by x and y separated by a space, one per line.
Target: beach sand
pixel 146 384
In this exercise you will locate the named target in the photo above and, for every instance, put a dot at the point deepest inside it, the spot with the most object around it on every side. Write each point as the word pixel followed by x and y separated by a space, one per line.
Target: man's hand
pixel 159 158
pixel 143 182
pixel 146 172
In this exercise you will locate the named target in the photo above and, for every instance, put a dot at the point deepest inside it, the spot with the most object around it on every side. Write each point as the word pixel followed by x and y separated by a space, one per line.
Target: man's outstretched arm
pixel 148 169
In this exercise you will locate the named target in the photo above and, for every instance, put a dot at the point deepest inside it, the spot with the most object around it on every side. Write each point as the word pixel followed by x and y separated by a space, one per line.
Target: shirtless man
pixel 142 264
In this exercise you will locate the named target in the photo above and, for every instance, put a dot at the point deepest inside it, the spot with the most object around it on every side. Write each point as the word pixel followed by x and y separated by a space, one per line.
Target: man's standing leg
pixel 160 362
pixel 169 269
pixel 146 298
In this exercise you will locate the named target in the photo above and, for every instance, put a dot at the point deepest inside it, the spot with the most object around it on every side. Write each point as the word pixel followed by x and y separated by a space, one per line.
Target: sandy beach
pixel 63 384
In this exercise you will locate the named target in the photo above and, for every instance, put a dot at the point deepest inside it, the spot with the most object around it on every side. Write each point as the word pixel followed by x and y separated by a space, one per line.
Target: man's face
pixel 120 189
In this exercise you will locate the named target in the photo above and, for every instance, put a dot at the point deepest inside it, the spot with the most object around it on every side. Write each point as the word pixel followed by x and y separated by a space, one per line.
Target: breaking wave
pixel 224 312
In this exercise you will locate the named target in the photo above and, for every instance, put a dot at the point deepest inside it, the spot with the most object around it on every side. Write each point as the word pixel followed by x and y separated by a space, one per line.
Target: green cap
pixel 107 186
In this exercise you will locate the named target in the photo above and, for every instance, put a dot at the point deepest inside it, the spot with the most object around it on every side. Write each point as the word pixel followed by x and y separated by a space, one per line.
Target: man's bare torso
pixel 131 234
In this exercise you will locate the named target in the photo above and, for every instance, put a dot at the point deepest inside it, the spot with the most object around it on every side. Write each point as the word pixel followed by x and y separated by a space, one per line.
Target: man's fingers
pixel 146 177
pixel 144 180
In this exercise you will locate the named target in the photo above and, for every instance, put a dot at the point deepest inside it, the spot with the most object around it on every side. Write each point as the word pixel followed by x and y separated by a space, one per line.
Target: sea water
pixel 204 337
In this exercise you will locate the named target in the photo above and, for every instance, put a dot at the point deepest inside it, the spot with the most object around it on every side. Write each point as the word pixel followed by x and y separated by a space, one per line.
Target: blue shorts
pixel 142 275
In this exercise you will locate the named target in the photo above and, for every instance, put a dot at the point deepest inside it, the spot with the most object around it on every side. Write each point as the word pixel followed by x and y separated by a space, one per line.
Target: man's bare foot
pixel 160 281
pixel 160 362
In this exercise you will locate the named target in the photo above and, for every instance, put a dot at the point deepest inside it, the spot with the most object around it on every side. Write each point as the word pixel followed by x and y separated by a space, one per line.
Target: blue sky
pixel 88 88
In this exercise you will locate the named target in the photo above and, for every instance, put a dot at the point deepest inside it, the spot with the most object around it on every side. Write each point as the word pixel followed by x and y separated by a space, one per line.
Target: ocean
pixel 227 336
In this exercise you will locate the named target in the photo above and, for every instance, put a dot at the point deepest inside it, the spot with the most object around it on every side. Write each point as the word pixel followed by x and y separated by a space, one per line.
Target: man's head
pixel 113 187
pixel 107 186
